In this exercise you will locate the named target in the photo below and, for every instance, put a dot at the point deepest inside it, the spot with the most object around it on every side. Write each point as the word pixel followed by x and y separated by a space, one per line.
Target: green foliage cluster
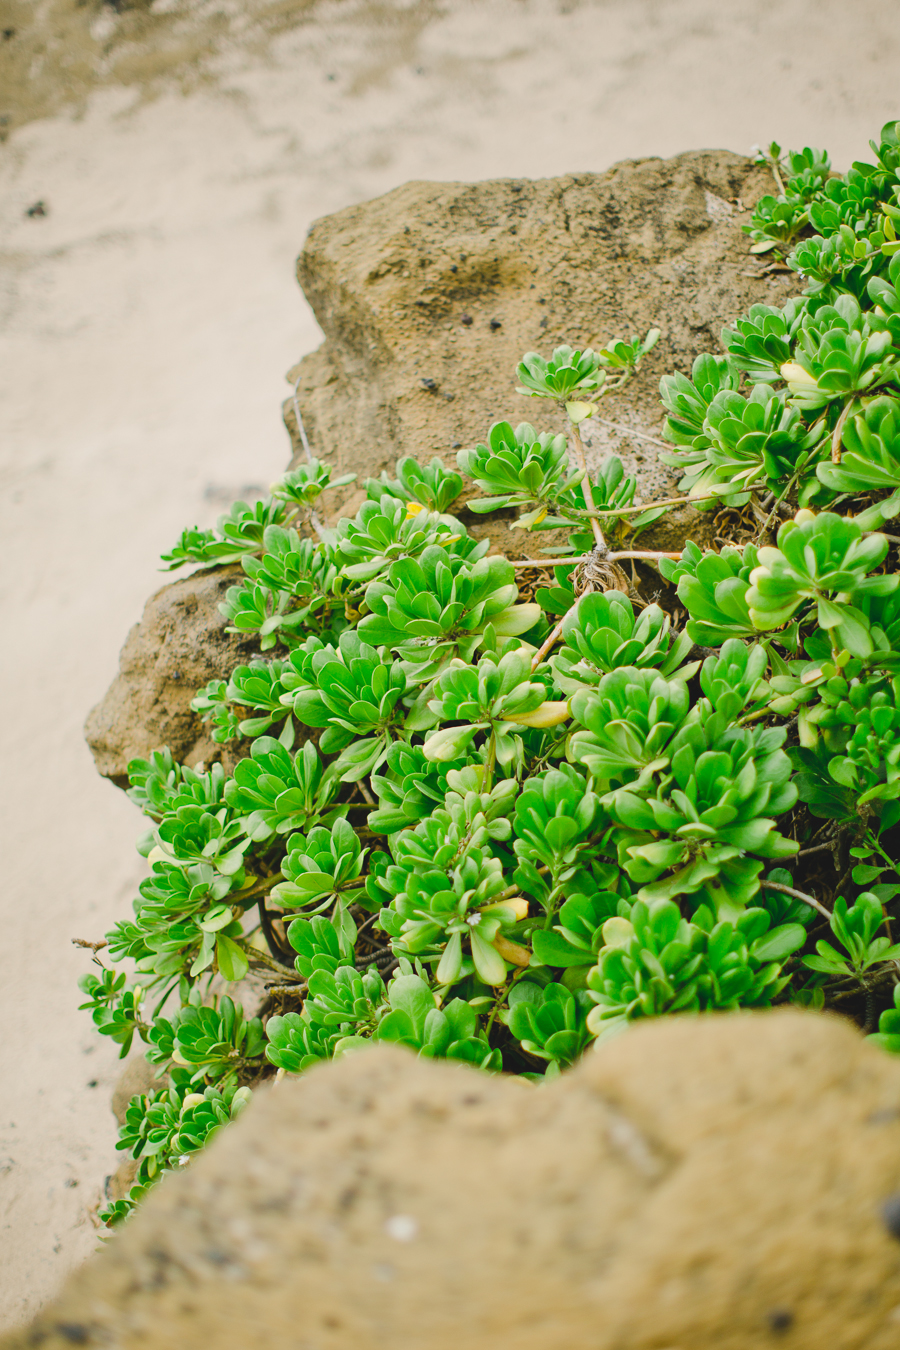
pixel 500 827
pixel 823 372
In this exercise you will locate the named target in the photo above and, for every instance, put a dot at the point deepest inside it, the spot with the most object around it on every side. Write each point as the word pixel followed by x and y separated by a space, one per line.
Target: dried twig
pixel 798 895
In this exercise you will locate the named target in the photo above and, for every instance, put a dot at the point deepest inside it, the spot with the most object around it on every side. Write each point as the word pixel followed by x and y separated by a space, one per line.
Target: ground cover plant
pixel 498 819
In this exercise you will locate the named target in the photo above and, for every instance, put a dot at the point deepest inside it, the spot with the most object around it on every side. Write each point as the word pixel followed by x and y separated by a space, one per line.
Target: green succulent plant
pixel 657 962
pixel 611 491
pixel 558 826
pixel 320 863
pixel 256 686
pixel 346 999
pixel 870 763
pixel 433 607
pixel 855 927
pixel 735 679
pixel 237 534
pixel 549 1022
pixel 687 400
pixel 496 696
pixel 776 221
pixel 575 940
pixel 212 1043
pixel 838 354
pixel 165 1127
pixel 304 485
pixel 717 807
pixel 359 696
pixel 410 787
pixel 823 558
pixel 385 531
pixel 432 484
pixel 567 372
pixel 713 589
pixel 185 918
pixel 518 467
pixel 578 823
pixel 114 1009
pixel 758 439
pixel 870 457
pixel 887 1037
pixel 272 793
pixel 628 721
pixel 602 633
pixel 761 342
pixel 449 1032
pixel 296 1043
pixel 321 944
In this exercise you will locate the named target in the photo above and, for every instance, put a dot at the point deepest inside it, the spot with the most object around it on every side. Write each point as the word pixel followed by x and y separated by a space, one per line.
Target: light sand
pixel 146 323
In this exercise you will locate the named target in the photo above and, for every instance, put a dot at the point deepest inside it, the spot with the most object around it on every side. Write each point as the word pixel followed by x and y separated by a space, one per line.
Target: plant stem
pixel 839 431
pixel 798 895
pixel 775 505
pixel 548 642
pixel 586 489
pixel 647 506
pixel 263 958
pixel 501 999
pixel 643 553
pixel 262 889
pixel 488 772
pixel 612 557
pixel 817 848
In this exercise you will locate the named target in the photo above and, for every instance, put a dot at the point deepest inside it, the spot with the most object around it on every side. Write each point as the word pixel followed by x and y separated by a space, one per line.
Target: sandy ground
pixel 146 321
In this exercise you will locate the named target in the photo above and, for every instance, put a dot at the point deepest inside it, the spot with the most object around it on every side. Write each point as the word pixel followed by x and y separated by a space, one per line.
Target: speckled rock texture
pixel 179 645
pixel 713 1183
pixel 428 297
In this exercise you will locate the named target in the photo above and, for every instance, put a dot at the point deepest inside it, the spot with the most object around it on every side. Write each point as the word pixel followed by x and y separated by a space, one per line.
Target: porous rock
pixel 706 1183
pixel 429 295
pixel 179 645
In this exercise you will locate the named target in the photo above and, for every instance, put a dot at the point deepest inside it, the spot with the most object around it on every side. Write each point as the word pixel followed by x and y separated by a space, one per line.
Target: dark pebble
pixel 780 1319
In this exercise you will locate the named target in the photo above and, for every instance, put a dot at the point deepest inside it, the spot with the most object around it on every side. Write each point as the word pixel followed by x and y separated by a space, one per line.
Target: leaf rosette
pixel 433 607
pixel 602 634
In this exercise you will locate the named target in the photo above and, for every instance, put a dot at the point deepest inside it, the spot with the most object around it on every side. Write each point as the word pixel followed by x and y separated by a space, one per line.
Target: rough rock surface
pixel 711 1183
pixel 179 645
pixel 428 297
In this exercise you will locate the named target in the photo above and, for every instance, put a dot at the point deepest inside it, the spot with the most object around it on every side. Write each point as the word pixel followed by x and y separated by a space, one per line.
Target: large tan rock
pixel 429 295
pixel 710 1183
pixel 179 645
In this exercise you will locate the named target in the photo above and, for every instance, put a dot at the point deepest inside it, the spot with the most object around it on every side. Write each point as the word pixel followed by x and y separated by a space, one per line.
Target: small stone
pixel 890 1214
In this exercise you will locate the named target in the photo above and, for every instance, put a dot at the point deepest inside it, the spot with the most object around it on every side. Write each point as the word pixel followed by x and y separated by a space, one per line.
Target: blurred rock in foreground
pixel 708 1183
